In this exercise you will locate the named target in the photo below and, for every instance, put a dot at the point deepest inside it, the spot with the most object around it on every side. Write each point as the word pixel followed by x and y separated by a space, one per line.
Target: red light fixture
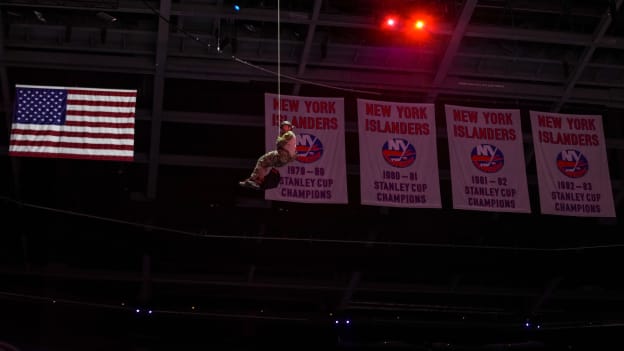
pixel 391 22
pixel 410 24
pixel 419 27
pixel 419 24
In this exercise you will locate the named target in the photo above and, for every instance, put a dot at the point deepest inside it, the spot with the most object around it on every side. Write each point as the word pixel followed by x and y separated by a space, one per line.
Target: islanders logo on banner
pixel 487 158
pixel 398 152
pixel 572 163
pixel 309 148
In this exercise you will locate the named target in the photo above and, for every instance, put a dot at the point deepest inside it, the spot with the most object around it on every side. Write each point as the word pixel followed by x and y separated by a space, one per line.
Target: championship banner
pixel 319 175
pixel 572 165
pixel 487 159
pixel 398 154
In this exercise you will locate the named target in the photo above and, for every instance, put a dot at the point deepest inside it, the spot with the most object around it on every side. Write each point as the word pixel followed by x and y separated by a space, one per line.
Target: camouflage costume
pixel 285 152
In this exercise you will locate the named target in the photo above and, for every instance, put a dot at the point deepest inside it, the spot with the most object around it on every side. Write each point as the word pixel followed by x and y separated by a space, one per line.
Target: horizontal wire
pixel 309 240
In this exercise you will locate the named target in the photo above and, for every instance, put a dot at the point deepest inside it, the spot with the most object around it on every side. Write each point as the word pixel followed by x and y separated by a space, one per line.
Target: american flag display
pixel 85 123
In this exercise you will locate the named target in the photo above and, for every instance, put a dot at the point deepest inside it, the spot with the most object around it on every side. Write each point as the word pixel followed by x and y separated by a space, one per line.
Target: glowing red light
pixel 391 22
pixel 420 27
pixel 413 25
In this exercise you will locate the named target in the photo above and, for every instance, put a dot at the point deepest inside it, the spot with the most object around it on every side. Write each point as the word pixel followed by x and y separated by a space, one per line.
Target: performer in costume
pixel 285 152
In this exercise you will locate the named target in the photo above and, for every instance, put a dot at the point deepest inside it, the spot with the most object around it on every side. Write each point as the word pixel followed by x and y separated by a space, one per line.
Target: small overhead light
pixel 39 16
pixel 105 17
pixel 251 28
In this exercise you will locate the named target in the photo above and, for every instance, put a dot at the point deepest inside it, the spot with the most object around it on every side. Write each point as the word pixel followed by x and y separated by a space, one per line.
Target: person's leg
pixel 277 158
pixel 282 158
pixel 263 166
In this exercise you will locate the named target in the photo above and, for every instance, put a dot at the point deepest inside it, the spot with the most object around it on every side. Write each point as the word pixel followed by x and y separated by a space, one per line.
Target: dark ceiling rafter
pixel 453 46
pixel 548 292
pixel 324 70
pixel 159 87
pixel 344 288
pixel 307 44
pixel 4 90
pixel 605 22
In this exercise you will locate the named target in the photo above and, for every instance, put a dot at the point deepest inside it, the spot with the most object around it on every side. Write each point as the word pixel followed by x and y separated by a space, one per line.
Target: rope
pixel 279 69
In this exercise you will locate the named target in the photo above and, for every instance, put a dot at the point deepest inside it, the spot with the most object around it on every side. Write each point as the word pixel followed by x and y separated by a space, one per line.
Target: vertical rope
pixel 279 69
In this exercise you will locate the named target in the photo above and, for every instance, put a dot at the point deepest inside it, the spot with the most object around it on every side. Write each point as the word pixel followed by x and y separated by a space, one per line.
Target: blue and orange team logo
pixel 487 158
pixel 309 148
pixel 398 152
pixel 572 163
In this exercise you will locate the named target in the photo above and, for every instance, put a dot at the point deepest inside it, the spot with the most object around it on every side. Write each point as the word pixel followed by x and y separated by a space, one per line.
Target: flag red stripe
pixel 71 145
pixel 100 114
pixel 101 103
pixel 74 156
pixel 73 134
pixel 101 93
pixel 99 124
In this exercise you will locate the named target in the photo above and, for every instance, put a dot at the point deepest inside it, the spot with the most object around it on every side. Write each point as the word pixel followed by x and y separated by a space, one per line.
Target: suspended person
pixel 285 152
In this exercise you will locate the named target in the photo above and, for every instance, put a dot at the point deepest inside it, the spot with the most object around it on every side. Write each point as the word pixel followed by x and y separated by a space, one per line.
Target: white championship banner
pixel 487 159
pixel 319 175
pixel 572 165
pixel 398 154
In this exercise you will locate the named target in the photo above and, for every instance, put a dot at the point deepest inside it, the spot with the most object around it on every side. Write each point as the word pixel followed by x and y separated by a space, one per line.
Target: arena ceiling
pixel 88 243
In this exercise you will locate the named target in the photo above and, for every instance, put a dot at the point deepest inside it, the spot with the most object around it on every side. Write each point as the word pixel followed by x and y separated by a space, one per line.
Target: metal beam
pixel 548 291
pixel 305 54
pixel 362 22
pixel 6 101
pixel 374 79
pixel 579 68
pixel 66 274
pixel 348 293
pixel 453 46
pixel 159 82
